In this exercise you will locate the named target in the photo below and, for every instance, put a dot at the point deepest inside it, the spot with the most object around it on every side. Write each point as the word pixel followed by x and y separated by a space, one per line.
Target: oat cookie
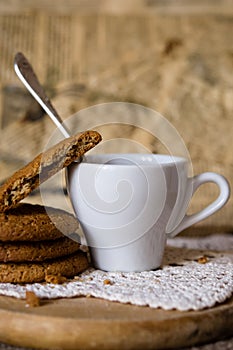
pixel 37 251
pixel 68 266
pixel 30 222
pixel 46 164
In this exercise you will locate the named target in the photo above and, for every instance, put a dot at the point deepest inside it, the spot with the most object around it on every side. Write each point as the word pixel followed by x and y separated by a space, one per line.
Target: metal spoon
pixel 28 77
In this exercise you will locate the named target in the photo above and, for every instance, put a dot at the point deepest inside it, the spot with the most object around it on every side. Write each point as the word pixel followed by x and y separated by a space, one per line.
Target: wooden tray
pixel 88 323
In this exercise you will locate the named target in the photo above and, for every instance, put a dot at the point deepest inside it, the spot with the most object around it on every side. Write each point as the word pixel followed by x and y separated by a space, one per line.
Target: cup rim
pixel 141 159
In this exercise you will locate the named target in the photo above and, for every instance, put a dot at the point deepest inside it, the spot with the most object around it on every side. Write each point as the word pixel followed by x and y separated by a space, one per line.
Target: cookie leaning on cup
pixel 45 165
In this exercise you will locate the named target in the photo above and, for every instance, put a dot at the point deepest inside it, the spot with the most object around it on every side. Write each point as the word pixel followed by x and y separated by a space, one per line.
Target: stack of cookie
pixel 34 241
pixel 32 247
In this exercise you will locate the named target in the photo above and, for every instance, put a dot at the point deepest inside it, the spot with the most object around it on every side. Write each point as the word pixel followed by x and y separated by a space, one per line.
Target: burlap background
pixel 177 60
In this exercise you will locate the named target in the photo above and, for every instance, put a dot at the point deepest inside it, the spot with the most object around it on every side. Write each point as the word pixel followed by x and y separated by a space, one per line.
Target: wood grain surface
pixel 88 323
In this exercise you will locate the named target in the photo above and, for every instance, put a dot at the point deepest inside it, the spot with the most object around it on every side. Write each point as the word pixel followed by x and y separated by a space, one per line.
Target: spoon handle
pixel 28 77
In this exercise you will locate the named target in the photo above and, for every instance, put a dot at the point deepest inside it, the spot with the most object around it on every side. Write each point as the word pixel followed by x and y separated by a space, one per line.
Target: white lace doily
pixel 185 282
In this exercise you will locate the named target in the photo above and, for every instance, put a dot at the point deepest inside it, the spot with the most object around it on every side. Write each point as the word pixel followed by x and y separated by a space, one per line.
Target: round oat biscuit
pixel 68 266
pixel 45 165
pixel 30 222
pixel 37 251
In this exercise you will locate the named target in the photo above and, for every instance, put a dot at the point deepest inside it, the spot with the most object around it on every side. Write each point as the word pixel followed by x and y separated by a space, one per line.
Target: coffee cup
pixel 129 204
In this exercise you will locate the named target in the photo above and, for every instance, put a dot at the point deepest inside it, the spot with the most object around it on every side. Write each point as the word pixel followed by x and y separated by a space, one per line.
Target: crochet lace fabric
pixel 191 278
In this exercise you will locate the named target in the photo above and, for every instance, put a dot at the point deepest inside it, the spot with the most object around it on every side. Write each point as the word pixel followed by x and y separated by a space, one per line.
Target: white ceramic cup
pixel 129 204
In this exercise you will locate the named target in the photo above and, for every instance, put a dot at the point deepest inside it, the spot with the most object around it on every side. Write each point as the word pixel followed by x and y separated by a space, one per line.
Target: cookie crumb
pixel 32 299
pixel 202 260
pixel 107 281
pixel 55 279
pixel 77 278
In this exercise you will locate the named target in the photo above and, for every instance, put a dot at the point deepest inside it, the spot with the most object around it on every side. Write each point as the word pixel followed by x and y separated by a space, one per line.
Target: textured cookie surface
pixel 30 222
pixel 36 272
pixel 37 251
pixel 46 164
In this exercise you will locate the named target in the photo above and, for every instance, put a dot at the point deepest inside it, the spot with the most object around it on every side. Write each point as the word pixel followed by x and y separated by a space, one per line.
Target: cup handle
pixel 223 197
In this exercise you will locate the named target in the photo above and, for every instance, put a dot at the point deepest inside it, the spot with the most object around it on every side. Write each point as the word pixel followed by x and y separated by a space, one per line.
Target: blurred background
pixel 174 56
